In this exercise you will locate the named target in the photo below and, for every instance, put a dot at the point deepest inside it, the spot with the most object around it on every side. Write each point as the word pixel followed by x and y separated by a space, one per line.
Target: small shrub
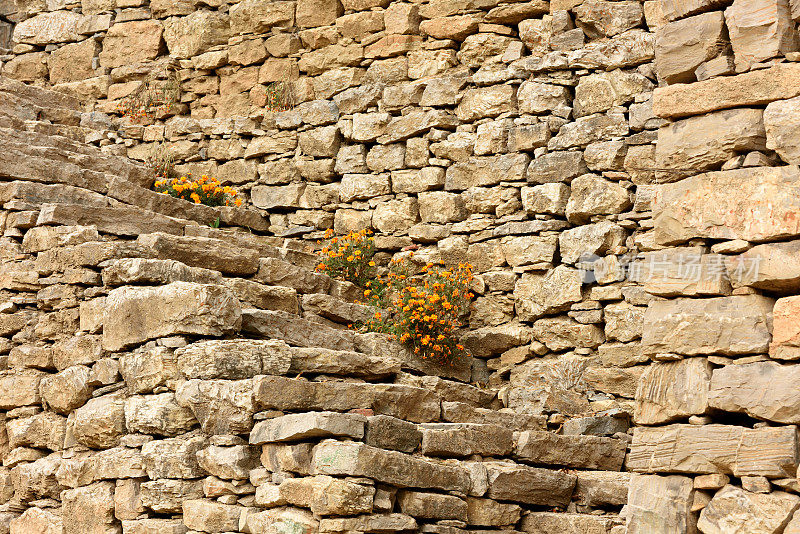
pixel 280 96
pixel 204 190
pixel 349 257
pixel 156 94
pixel 425 310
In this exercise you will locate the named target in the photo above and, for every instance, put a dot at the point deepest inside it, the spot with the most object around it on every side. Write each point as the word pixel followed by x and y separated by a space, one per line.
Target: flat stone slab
pixel 301 426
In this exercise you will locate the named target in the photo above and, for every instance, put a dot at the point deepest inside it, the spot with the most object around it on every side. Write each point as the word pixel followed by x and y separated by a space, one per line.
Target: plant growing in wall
pixel 349 257
pixel 204 190
pixel 156 94
pixel 162 162
pixel 279 96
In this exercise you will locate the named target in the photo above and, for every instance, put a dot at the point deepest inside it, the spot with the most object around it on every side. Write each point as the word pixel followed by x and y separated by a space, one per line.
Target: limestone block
pixel 404 402
pixel 100 423
pixel 584 452
pixel 20 390
pixel 725 325
pixel 669 391
pixel 546 522
pixel 298 427
pixel 556 167
pixel 786 332
pixel 205 252
pixel 116 463
pixel 600 488
pixel 590 239
pixel 229 463
pixel 48 28
pixel 706 142
pixel 600 18
pixel 731 206
pixel 489 513
pixel 313 13
pixel 259 16
pixel 661 505
pixel 398 469
pixel 66 390
pixel 538 98
pixel 167 495
pixel 396 215
pixel 72 62
pixel 592 195
pixel 734 509
pixel 363 186
pixel 602 91
pixel 153 526
pixel 385 432
pixel 232 359
pixel 221 406
pixel 769 452
pixel 586 130
pixel 43 431
pixel 487 170
pixel 183 308
pixel 528 485
pixel 537 295
pixel 417 122
pixel 278 519
pixel 90 509
pixel 562 333
pixel 422 505
pixel 326 495
pixel 759 30
pixel 486 102
pixel 526 250
pixel 682 271
pixel 754 88
pixel 131 42
pixel 546 198
pixel 462 439
pixel 782 130
pixel 765 390
pixel 157 414
pixel 210 516
pixel 684 45
pixel 144 371
pixel 196 33
pixel 173 457
pixel 456 28
pixel 37 520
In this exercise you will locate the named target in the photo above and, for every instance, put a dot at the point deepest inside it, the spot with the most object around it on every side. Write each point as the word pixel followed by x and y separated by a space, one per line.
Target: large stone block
pixel 134 315
pixel 602 91
pixel 423 505
pixel 209 253
pixel 669 391
pixel 463 439
pixel 537 295
pixel 584 452
pixel 48 28
pixel 684 45
pixel 221 406
pixel 661 505
pixel 771 267
pixel 326 495
pixel 281 520
pixel 211 516
pixel 508 481
pixel 783 129
pixel 592 195
pixel 704 143
pixel 131 42
pixel 725 325
pixel 90 509
pixel 771 452
pixel 750 89
pixel 734 509
pixel 390 467
pixel 551 522
pixel 759 30
pixel 159 415
pixel 196 33
pixel 488 170
pixel 754 204
pixel 764 390
pixel 233 359
pixel 100 423
pixel 300 427
pixel 173 457
pixel 404 402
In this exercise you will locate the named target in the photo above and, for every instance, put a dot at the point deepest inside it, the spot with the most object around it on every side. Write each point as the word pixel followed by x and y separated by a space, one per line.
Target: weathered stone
pixel 326 495
pixel 456 28
pixel 417 122
pixel 562 333
pixel 760 30
pixel 229 463
pixel 173 457
pixel 684 45
pixel 764 390
pixel 280 519
pixel 72 62
pixel 116 463
pixel 385 432
pixel 90 509
pixel 590 239
pixel 546 522
pixel 208 253
pixel 196 33
pixel 589 129
pixel 48 28
pixel 268 197
pixel 600 18
pixel 144 371
pixel 786 333
pixel 398 469
pixel 131 42
pixel 153 526
pixel 297 427
pixel 36 520
pixel 221 406
pixel 66 390
pixel 157 414
pixel 735 450
pixel 546 198
pixel 592 195
pixel 601 488
pixel 20 390
pixel 669 391
pixel 184 308
pixel 585 452
pixel 167 495
pixel 403 402
pixel 232 359
pixel 210 516
pixel 750 89
pixel 726 325
pixel 422 505
pixel 458 439
pixel 141 270
pixel 681 272
pixel 508 481
pixel 661 505
pixel 363 186
pixel 782 130
pixel 734 509
pixel 556 167
pixel 537 295
pixel 525 250
pixel 600 92
pixel 44 431
pixel 100 423
pixel 705 143
pixel 486 102
pixel 483 171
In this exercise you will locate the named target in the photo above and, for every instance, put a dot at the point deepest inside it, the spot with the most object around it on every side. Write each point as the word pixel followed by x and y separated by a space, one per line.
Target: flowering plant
pixel 349 257
pixel 204 190
pixel 152 97
pixel 279 96
pixel 426 309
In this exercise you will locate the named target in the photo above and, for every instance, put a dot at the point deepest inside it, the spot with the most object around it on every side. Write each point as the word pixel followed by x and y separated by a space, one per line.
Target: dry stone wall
pixel 622 174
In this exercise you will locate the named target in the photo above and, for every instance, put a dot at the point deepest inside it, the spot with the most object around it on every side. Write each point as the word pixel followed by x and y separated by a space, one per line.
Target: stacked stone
pixel 715 441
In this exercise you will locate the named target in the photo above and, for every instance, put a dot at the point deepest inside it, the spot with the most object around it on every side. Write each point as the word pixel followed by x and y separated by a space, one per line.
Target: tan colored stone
pixel 276 519
pixel 486 102
pixel 210 516
pixel 326 495
pixel 159 415
pixel 209 253
pixel 735 450
pixel 66 390
pixel 221 406
pixel 661 505
pixel 682 46
pixel 456 28
pixel 196 33
pixel 90 509
pixel 484 171
pixel 73 62
pixel 100 423
pixel 185 308
pixel 592 195
pixel 568 523
pixel 670 391
pixel 764 390
pixel 37 520
pixel 48 28
pixel 537 295
pixel 585 452
pixel 602 91
pixel 590 129
pixel 750 89
pixel 131 42
pixel 734 509
pixel 508 481
pixel 423 505
pixel 754 204
pixel 786 332
pixel 759 30
pixel 782 130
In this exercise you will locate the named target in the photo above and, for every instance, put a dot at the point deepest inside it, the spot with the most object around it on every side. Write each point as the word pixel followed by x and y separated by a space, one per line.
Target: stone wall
pixel 650 143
